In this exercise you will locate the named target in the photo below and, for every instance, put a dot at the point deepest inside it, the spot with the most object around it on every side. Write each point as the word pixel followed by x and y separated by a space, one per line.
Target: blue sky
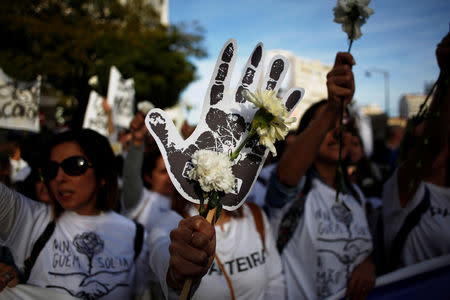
pixel 400 37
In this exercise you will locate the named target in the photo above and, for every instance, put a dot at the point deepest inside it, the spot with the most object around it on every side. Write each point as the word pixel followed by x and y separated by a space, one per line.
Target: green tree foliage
pixel 68 41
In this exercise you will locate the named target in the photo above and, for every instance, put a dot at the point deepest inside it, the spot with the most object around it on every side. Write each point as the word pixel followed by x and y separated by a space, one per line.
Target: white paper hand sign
pixel 224 124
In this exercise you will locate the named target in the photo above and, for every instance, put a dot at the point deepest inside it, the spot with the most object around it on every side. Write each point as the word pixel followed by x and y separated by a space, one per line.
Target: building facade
pixel 409 104
pixel 308 74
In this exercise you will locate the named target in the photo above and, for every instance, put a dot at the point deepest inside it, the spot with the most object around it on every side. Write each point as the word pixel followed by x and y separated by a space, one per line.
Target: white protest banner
pixel 19 103
pixel 95 117
pixel 425 280
pixel 121 98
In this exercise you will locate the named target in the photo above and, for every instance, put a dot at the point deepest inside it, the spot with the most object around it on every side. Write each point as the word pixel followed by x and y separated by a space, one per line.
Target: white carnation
pixel 145 106
pixel 212 170
pixel 93 81
pixel 274 128
pixel 352 14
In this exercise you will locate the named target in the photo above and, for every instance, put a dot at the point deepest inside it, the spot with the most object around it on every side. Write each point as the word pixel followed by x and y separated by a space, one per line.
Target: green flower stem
pixel 351 43
pixel 236 152
pixel 213 204
pixel 339 171
pixel 261 119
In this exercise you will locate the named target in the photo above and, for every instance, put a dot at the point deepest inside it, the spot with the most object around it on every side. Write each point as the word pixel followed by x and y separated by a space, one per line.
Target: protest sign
pixel 120 98
pixel 225 124
pixel 19 103
pixel 95 117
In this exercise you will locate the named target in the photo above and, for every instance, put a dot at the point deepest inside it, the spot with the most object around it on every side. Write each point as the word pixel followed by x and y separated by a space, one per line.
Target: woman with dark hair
pixel 77 244
pixel 362 170
pixel 34 186
pixel 325 245
pixel 5 168
pixel 416 199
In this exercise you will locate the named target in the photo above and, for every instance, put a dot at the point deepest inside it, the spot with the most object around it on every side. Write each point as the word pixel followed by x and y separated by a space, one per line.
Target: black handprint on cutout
pixel 224 124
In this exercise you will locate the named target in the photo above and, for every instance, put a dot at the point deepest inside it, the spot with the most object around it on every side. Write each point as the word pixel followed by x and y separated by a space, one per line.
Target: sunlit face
pixel 356 149
pixel 159 179
pixel 75 193
pixel 329 149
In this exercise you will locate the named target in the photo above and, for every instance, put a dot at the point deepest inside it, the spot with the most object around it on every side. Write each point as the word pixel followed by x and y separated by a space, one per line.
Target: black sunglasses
pixel 72 166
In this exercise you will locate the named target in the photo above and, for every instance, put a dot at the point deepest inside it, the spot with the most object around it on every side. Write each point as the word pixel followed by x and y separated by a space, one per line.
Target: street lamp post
pixel 386 86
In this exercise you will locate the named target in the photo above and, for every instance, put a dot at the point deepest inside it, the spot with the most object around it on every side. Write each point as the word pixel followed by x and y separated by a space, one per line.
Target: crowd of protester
pixel 79 219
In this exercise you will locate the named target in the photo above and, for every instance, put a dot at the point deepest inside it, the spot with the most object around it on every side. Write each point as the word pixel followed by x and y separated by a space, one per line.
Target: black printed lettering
pixel 109 263
pixel 215 269
pixel 240 264
pixel 329 228
pixel 123 262
pixel 100 262
pixel 14 109
pixel 320 214
pixel 249 263
pixel 230 269
pixel 65 261
pixel 62 246
pixel 255 258
pixel 437 211
pixel 76 261
pixel 55 260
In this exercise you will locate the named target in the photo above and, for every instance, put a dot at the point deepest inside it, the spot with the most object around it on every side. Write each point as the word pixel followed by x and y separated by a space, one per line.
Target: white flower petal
pixel 212 170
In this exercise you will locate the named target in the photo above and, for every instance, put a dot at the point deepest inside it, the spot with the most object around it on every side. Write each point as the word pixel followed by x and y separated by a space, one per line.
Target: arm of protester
pixel 362 280
pixel 431 148
pixel 192 249
pixel 8 276
pixel 132 180
pixel 10 204
pixel 277 195
pixel 169 266
pixel 108 112
pixel 340 85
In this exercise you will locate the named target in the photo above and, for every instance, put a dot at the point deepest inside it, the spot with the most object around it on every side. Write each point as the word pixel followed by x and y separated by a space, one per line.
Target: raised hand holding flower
pixel 352 14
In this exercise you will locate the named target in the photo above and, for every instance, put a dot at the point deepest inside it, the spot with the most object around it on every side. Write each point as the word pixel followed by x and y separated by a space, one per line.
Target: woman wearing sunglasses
pixel 78 245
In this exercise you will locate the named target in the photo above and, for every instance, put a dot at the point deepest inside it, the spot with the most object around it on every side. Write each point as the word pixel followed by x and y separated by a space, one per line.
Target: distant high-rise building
pixel 162 8
pixel 308 74
pixel 409 104
pixel 371 109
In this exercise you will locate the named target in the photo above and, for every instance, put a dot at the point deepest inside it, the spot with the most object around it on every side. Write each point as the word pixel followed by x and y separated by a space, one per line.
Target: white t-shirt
pixel 431 236
pixel 150 208
pixel 86 256
pixel 327 244
pixel 254 273
pixel 19 170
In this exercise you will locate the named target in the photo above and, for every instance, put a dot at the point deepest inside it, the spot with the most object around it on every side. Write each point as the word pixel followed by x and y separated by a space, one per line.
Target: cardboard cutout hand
pixel 224 124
